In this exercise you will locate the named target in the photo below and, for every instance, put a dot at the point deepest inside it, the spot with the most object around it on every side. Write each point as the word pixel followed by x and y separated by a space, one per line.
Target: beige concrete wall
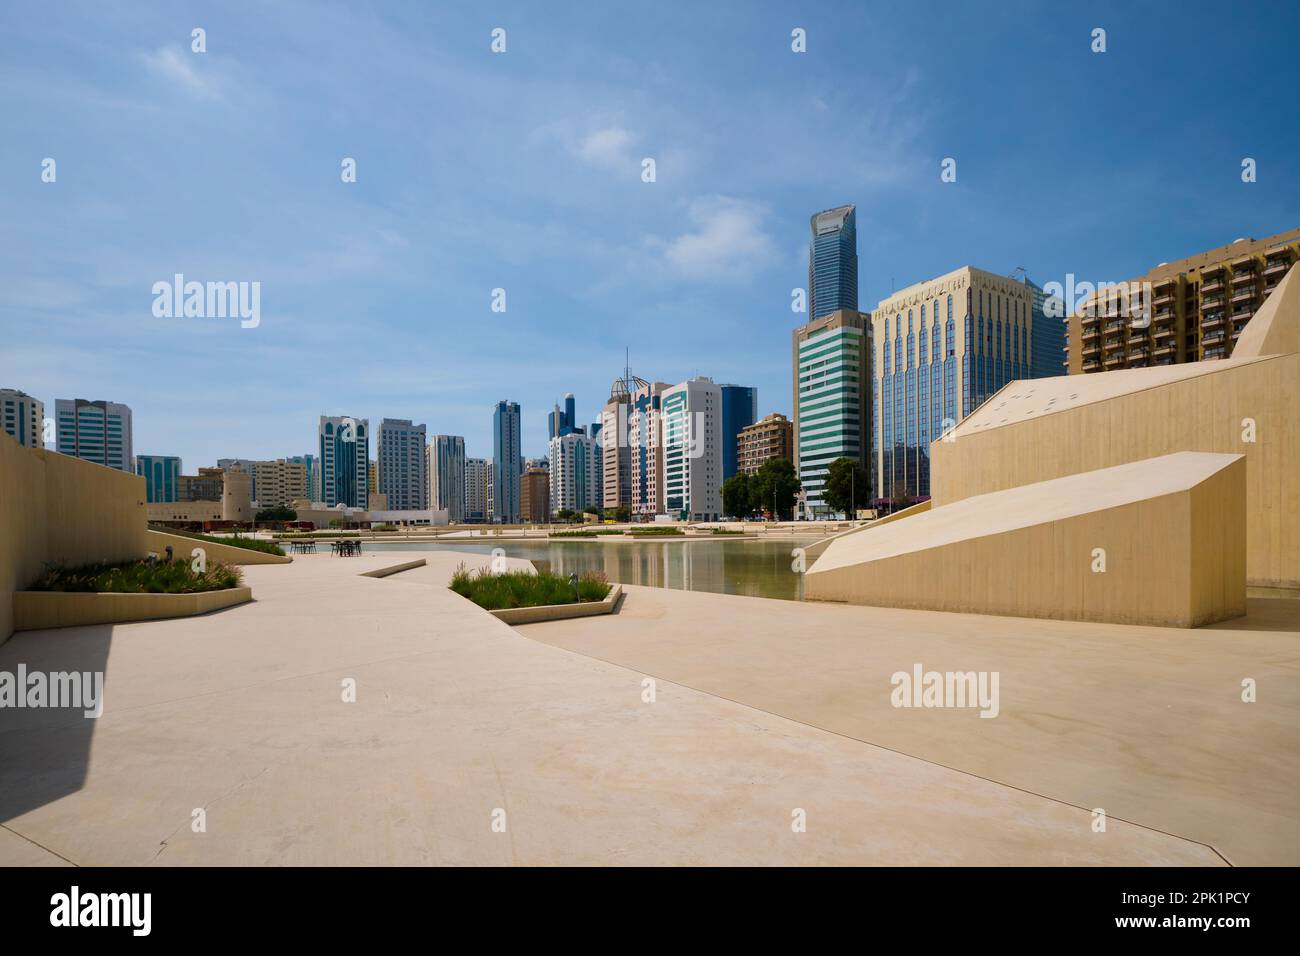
pixel 157 542
pixel 1203 410
pixel 22 524
pixel 36 610
pixel 57 509
pixel 1175 555
pixel 185 511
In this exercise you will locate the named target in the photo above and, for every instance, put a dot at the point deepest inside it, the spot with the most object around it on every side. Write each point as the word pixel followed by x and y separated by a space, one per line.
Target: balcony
pixel 1090 333
pixel 1213 322
pixel 1276 266
pixel 1114 325
pixel 1165 349
pixel 1091 350
pixel 1214 285
pixel 1214 338
pixel 1211 301
pixel 1245 275
pixel 1165 332
pixel 1240 295
pixel 1164 314
pixel 1245 312
pixel 1091 366
pixel 1164 298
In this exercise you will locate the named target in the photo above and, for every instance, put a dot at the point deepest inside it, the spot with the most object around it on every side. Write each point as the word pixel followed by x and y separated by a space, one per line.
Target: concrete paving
pixel 461 721
pixel 1147 723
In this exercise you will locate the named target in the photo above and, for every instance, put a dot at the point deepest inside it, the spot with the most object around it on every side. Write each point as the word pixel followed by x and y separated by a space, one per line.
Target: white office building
pixel 574 471
pixel 691 416
pixel 476 489
pixel 22 417
pixel 95 431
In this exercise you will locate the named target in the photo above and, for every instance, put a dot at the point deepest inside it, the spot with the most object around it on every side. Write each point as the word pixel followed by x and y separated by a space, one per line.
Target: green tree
pixel 846 486
pixel 623 514
pixel 277 513
pixel 737 495
pixel 775 484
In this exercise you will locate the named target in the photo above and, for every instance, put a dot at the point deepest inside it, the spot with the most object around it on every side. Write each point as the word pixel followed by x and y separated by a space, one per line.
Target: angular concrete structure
pixel 1161 541
pixel 1035 467
pixel 1036 430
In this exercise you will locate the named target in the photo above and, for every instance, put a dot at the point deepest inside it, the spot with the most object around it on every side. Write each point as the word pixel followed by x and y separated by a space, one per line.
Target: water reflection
pixel 753 568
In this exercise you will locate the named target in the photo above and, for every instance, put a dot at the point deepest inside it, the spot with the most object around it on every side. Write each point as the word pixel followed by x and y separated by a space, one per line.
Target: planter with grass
pixel 525 597
pixel 233 550
pixel 653 532
pixel 126 591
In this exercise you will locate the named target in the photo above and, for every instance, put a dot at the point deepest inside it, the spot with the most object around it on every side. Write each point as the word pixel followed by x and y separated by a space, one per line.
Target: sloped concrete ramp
pixel 1160 541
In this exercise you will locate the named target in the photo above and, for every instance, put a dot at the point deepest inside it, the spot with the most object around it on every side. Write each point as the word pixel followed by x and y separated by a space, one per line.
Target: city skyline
pixel 528 179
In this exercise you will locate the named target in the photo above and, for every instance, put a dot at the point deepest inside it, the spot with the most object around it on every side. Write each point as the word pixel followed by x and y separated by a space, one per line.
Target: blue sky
pixel 522 171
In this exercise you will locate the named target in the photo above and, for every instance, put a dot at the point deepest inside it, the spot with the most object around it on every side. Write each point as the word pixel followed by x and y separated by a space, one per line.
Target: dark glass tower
pixel 833 262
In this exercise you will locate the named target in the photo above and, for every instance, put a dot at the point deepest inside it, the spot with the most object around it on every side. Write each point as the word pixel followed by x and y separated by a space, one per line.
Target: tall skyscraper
pixel 562 420
pixel 476 489
pixel 448 480
pixel 739 411
pixel 95 431
pixel 833 262
pixel 574 472
pixel 162 476
pixel 507 463
pixel 22 417
pixel 645 439
pixel 692 415
pixel 402 465
pixel 616 452
pixel 344 444
pixel 832 398
pixel 941 348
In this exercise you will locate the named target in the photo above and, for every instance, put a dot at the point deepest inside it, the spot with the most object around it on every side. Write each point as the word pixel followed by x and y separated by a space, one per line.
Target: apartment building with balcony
pixel 1197 309
pixel 768 438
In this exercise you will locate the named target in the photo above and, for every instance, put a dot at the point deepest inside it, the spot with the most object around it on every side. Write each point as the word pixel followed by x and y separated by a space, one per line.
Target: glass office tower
pixel 833 262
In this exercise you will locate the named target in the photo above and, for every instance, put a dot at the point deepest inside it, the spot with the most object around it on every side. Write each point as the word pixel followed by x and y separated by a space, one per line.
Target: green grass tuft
pixel 493 592
pixel 140 577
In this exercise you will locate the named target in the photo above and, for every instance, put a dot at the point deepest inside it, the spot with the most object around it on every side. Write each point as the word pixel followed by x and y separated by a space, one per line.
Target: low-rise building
pixel 769 438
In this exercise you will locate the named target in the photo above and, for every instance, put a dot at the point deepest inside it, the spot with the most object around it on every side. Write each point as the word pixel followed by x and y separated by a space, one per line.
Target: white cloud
pixel 177 67
pixel 607 147
pixel 728 240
